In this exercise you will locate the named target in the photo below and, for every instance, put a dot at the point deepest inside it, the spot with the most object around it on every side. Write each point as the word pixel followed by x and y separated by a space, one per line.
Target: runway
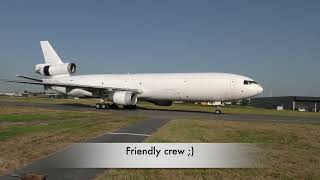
pixel 174 114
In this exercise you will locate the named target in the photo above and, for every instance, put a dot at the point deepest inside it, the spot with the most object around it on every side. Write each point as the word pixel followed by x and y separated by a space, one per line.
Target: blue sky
pixel 276 43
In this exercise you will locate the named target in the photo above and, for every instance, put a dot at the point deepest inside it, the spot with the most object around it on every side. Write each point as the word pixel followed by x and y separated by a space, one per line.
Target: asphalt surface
pixel 134 133
pixel 173 114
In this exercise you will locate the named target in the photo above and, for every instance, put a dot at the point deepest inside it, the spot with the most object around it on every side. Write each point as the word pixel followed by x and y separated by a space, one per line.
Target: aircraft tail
pixel 53 65
pixel 50 55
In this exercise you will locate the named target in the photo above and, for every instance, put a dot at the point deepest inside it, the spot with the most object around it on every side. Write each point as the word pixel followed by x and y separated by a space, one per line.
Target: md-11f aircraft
pixel 127 89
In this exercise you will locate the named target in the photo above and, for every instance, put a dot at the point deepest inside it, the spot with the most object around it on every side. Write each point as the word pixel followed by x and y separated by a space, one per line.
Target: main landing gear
pixel 103 105
pixel 106 106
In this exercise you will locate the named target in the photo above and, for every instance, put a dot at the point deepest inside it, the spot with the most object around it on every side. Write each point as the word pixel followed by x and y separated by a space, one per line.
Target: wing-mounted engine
pixel 126 98
pixel 55 69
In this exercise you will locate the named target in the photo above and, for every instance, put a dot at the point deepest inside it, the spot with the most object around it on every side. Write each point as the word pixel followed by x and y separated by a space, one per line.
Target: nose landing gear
pixel 217 110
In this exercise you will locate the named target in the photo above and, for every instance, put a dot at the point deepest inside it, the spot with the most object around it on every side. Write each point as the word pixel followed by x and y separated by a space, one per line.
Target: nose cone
pixel 259 89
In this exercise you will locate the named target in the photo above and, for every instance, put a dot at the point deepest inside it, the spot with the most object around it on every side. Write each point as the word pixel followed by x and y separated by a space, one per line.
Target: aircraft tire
pixel 217 111
pixel 98 106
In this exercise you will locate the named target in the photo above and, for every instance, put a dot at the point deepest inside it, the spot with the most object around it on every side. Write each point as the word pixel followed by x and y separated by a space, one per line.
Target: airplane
pixel 126 89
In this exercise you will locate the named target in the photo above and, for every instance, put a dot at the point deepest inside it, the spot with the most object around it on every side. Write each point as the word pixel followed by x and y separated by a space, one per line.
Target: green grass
pixel 293 150
pixel 43 116
pixel 31 123
pixel 19 130
pixel 23 117
pixel 27 129
pixel 27 133
pixel 47 100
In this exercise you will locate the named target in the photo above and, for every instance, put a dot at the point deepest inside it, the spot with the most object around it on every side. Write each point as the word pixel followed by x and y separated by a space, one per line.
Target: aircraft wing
pixel 87 87
pixel 29 78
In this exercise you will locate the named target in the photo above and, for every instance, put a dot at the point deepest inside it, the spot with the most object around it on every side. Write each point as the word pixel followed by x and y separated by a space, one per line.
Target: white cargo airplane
pixel 126 89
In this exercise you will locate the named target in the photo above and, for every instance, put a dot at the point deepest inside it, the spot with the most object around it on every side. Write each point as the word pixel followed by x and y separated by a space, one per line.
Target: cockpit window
pixel 247 82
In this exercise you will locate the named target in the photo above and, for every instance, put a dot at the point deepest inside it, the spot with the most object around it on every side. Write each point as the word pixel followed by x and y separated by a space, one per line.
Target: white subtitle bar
pixel 159 155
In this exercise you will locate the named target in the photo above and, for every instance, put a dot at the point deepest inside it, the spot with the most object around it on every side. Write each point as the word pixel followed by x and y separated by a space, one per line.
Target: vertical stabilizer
pixel 50 55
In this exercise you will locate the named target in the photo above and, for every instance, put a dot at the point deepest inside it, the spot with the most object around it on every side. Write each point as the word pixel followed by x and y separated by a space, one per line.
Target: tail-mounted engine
pixel 55 69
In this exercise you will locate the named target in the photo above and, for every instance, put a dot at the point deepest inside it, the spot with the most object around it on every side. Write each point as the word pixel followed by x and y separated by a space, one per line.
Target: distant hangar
pixel 288 102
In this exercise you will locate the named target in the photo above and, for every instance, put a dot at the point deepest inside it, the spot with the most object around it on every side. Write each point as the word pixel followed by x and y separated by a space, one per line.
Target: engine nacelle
pixel 56 69
pixel 126 98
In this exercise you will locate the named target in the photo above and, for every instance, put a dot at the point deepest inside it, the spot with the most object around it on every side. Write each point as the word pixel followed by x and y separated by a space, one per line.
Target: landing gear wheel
pixel 103 106
pixel 98 106
pixel 217 111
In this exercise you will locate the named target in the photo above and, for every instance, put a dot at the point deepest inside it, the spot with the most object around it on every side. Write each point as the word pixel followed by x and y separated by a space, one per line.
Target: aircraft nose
pixel 259 89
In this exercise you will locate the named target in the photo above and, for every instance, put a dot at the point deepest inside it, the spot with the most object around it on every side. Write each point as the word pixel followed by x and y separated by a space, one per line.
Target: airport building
pixel 288 102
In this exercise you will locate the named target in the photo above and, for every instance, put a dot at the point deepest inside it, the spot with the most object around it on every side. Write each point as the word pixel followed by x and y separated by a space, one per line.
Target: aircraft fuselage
pixel 171 86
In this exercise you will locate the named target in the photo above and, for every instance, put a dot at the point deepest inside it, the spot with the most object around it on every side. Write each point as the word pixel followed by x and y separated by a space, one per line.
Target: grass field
pixel 48 100
pixel 293 150
pixel 27 134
